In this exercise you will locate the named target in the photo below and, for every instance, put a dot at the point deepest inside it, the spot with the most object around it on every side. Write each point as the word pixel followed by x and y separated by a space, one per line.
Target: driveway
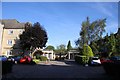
pixel 57 69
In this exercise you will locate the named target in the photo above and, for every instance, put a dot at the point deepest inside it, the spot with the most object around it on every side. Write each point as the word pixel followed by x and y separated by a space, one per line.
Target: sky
pixel 62 20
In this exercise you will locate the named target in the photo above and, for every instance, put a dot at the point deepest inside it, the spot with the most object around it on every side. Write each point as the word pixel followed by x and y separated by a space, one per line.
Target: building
pixel 10 36
pixel 72 53
pixel 1 31
pixel 48 53
pixel 10 29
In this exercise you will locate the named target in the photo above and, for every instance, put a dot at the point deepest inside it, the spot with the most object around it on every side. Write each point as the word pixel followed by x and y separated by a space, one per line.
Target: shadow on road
pixel 57 70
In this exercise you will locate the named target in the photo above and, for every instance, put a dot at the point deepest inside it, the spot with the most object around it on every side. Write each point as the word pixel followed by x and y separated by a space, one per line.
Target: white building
pixel 48 53
pixel 1 33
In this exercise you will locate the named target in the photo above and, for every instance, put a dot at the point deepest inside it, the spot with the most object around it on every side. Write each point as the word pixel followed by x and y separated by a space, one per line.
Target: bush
pixel 36 60
pixel 81 59
pixel 7 67
pixel 37 56
pixel 87 51
pixel 43 58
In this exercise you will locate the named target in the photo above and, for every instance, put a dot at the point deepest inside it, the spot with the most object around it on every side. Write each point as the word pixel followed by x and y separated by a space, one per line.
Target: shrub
pixel 36 60
pixel 87 51
pixel 81 59
pixel 37 56
pixel 43 58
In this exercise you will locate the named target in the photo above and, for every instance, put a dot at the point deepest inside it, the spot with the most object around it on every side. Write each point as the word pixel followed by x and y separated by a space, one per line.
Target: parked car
pixel 113 66
pixel 26 59
pixel 94 61
pixel 15 58
pixel 3 58
pixel 10 58
pixel 105 60
pixel 115 59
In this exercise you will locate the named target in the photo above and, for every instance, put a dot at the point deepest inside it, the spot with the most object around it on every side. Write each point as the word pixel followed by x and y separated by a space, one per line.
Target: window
pixel 9 52
pixel 9 42
pixel 10 32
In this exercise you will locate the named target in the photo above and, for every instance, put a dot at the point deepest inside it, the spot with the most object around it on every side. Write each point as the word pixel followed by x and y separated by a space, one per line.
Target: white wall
pixel 1 31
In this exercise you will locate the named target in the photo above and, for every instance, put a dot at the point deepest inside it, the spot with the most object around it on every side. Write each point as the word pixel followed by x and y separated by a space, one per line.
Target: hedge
pixel 43 58
pixel 81 59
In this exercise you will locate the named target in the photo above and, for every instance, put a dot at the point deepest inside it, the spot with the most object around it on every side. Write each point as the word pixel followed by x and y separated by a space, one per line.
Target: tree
pixel 112 44
pixel 91 32
pixel 69 46
pixel 61 48
pixel 94 47
pixel 87 51
pixel 118 41
pixel 50 47
pixel 34 36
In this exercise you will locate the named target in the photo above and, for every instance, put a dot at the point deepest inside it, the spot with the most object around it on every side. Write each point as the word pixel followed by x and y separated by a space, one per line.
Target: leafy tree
pixel 87 51
pixel 61 48
pixel 91 31
pixel 50 47
pixel 94 47
pixel 118 44
pixel 33 37
pixel 112 44
pixel 69 46
pixel 118 41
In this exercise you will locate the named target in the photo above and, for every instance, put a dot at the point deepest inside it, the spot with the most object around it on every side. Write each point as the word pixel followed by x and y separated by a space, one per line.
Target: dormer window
pixel 10 32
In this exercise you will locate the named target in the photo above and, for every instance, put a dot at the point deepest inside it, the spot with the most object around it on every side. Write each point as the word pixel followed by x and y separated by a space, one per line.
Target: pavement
pixel 62 63
pixel 57 69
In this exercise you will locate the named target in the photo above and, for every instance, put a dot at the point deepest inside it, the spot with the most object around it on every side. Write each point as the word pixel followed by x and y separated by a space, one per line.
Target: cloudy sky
pixel 62 20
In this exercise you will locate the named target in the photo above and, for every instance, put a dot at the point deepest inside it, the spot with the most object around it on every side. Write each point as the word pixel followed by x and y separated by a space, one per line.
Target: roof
pixel 12 24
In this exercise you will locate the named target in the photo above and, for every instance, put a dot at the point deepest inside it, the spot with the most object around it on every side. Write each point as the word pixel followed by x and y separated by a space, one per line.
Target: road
pixel 57 69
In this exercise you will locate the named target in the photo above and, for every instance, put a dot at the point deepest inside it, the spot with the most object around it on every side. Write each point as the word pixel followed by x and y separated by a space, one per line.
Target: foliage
pixel 94 47
pixel 86 54
pixel 81 59
pixel 69 46
pixel 109 45
pixel 91 31
pixel 50 48
pixel 43 58
pixel 87 51
pixel 33 36
pixel 118 43
pixel 37 56
pixel 36 60
pixel 40 58
pixel 112 44
pixel 61 49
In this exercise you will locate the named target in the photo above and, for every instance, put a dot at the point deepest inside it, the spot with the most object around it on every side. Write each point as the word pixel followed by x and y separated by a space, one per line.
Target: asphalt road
pixel 56 70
